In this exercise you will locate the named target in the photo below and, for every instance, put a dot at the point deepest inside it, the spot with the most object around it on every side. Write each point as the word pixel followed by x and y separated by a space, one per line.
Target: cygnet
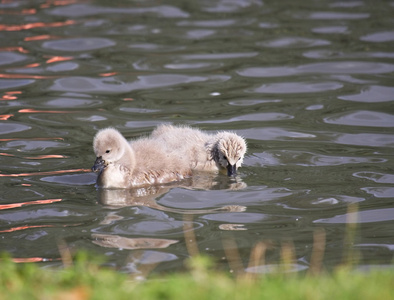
pixel 205 152
pixel 170 154
pixel 121 164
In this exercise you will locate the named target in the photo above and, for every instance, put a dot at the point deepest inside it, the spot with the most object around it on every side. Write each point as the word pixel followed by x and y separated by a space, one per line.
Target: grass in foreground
pixel 84 280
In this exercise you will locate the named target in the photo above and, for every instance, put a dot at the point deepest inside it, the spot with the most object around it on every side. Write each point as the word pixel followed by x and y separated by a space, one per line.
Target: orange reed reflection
pixel 19 204
pixel 18 49
pixel 6 154
pixel 5 117
pixel 31 110
pixel 58 58
pixel 50 3
pixel 4 27
pixel 18 228
pixel 32 259
pixel 10 95
pixel 46 173
pixel 26 11
pixel 46 156
pixel 32 65
pixel 23 228
pixel 38 37
pixel 108 74
pixel 24 76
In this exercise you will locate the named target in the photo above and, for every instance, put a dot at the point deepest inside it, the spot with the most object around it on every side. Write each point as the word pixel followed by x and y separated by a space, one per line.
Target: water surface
pixel 310 86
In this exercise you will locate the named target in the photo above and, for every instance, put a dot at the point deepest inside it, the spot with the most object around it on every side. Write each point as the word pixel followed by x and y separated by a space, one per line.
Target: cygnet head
pixel 109 146
pixel 230 151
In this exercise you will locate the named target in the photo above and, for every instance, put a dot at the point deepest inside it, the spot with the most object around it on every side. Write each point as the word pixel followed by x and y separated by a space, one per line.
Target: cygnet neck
pixel 127 161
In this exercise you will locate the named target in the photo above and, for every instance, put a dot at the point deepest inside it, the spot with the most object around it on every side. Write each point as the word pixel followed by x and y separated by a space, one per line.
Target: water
pixel 309 85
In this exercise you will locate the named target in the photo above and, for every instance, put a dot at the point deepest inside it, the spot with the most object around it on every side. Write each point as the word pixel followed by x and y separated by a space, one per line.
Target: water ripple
pixel 366 139
pixel 293 42
pixel 31 145
pixel 85 10
pixel 380 192
pixel 242 218
pixel 66 102
pixel 8 58
pixel 150 227
pixel 6 84
pixel 379 37
pixel 274 133
pixel 112 85
pixel 299 87
pixel 78 44
pixel 72 180
pixel 362 118
pixel 223 6
pixel 258 117
pixel 375 176
pixel 367 216
pixel 207 23
pixel 219 56
pixel 331 29
pixel 337 16
pixel 340 67
pixel 372 94
pixel 308 159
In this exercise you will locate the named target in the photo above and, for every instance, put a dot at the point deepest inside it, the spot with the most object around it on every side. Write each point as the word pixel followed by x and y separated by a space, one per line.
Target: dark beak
pixel 231 170
pixel 99 165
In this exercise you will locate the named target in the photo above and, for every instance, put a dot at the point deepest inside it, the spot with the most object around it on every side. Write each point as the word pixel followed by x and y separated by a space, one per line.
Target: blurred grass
pixel 86 279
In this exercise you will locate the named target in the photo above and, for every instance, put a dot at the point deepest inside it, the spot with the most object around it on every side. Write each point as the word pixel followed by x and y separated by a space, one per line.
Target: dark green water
pixel 309 84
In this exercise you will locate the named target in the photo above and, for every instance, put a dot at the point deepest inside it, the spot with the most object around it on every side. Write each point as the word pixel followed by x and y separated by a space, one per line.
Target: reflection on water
pixel 147 196
pixel 309 86
pixel 115 241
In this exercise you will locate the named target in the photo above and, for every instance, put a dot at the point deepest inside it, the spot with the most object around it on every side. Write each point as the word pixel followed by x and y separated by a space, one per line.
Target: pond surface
pixel 309 84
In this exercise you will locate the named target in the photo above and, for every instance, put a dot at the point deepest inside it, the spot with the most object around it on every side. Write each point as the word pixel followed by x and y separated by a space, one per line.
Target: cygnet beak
pixel 231 170
pixel 99 165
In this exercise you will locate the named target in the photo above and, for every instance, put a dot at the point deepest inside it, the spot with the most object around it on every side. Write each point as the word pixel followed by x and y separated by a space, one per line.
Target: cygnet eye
pixel 108 151
pixel 224 157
